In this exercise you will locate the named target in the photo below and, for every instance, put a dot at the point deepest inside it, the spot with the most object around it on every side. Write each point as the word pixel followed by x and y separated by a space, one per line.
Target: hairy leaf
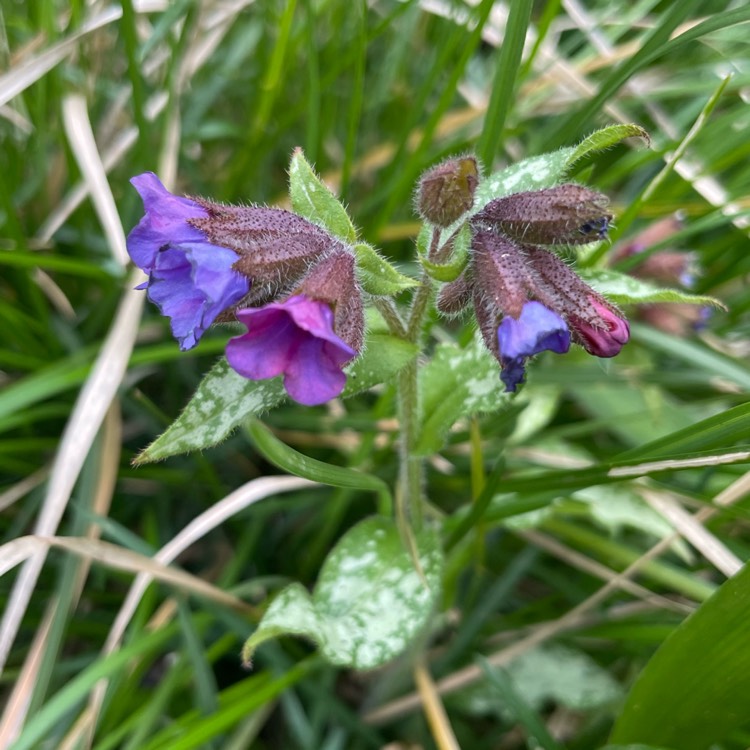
pixel 312 199
pixel 369 602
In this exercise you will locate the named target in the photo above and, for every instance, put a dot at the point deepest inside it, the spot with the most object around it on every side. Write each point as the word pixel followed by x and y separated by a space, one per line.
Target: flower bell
pixel 309 337
pixel 526 299
pixel 191 279
pixel 513 326
pixel 205 260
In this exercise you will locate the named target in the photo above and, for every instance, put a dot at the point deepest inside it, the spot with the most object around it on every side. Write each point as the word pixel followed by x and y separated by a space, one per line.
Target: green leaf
pixel 224 399
pixel 605 138
pixel 280 454
pixel 548 673
pixel 625 290
pixel 451 270
pixel 547 170
pixel 369 602
pixel 503 686
pixel 314 201
pixel 382 358
pixel 377 275
pixel 694 690
pixel 456 383
pixel 535 173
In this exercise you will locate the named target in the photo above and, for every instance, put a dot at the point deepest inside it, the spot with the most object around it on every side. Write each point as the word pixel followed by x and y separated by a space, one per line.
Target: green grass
pixel 557 551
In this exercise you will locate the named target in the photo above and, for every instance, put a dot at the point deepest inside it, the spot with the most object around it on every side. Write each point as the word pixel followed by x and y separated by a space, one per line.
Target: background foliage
pixel 582 524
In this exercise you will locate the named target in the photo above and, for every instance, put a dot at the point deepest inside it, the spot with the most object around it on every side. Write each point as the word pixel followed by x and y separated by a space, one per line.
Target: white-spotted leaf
pixel 623 290
pixel 547 170
pixel 456 383
pixel 312 199
pixel 224 399
pixel 370 602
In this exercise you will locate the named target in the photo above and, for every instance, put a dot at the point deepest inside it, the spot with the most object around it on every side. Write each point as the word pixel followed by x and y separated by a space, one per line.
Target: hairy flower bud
pixel 501 275
pixel 456 295
pixel 566 215
pixel 607 336
pixel 446 191
pixel 596 324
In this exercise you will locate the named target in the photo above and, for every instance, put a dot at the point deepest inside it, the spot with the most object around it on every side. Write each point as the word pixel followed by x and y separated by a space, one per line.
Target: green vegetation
pixel 578 580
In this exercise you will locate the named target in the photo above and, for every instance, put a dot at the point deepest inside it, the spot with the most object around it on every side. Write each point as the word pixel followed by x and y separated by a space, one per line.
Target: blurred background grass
pixel 214 96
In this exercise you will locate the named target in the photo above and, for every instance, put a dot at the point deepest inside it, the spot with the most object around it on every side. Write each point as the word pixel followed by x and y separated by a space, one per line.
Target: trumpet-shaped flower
pixel 294 338
pixel 191 280
pixel 536 329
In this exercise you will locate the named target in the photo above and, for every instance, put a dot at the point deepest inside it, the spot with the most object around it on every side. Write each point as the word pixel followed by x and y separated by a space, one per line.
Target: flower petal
pixel 537 329
pixel 314 376
pixel 602 341
pixel 192 284
pixel 164 222
pixel 294 337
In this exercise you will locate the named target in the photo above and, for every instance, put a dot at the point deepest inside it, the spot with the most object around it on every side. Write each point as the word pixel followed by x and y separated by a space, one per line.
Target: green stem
pixel 409 495
pixel 390 314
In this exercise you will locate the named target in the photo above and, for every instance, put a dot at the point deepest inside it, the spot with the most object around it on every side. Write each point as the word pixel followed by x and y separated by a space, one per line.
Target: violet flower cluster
pixel 289 282
pixel 525 298
pixel 294 286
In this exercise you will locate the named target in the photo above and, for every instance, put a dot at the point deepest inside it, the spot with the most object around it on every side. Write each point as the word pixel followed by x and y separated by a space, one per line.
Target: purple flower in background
pixel 294 338
pixel 537 329
pixel 191 280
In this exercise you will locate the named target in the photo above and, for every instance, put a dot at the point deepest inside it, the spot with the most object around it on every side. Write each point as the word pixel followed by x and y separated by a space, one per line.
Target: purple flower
pixel 165 222
pixel 294 338
pixel 191 280
pixel 192 284
pixel 536 329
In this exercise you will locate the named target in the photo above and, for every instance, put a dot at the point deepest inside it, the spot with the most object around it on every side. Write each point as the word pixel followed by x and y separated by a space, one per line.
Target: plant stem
pixel 390 315
pixel 409 494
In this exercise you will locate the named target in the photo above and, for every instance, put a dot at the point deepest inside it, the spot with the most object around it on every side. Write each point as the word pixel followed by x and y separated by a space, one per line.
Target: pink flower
pixel 293 338
pixel 601 341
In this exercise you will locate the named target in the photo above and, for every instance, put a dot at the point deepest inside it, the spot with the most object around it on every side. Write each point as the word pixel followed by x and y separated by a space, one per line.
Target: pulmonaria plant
pixel 298 281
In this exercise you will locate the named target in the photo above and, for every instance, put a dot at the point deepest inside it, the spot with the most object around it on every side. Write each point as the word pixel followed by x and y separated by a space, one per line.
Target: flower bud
pixel 501 276
pixel 563 215
pixel 446 192
pixel 604 337
pixel 455 296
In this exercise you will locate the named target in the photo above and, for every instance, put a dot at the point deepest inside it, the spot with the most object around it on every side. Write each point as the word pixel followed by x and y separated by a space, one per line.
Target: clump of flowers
pixel 209 263
pixel 526 299
pixel 295 286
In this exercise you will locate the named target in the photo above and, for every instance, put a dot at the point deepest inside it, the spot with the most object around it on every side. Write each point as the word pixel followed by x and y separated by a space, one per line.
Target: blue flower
pixel 191 280
pixel 536 329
